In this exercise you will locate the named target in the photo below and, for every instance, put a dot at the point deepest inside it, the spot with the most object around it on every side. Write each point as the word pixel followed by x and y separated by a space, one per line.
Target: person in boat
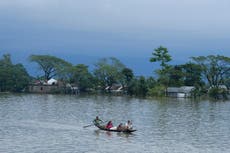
pixel 97 121
pixel 109 125
pixel 129 125
pixel 120 127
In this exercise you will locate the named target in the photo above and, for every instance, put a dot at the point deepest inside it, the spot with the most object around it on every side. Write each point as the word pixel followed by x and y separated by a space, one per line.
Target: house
pixel 72 88
pixel 52 81
pixel 115 88
pixel 223 87
pixel 179 92
pixel 50 86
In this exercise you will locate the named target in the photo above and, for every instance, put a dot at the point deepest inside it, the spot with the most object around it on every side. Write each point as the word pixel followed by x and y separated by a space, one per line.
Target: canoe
pixel 102 127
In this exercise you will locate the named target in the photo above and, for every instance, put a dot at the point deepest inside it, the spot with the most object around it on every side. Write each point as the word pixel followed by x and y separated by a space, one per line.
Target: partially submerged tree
pixel 193 74
pixel 13 78
pixel 176 76
pixel 138 86
pixel 127 76
pixel 108 71
pixel 82 77
pixel 215 69
pixel 51 66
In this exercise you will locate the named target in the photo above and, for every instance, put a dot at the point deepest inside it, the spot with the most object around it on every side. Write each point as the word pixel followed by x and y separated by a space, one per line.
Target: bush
pixel 157 91
pixel 218 93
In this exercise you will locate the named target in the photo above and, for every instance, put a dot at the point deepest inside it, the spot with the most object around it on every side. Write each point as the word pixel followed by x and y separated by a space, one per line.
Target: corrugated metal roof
pixel 173 89
pixel 183 89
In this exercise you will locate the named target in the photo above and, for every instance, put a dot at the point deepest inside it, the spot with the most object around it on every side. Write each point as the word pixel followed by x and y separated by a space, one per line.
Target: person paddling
pixel 97 121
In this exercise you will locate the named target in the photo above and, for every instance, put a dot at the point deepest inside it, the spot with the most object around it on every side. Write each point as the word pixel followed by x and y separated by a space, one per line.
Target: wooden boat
pixel 125 130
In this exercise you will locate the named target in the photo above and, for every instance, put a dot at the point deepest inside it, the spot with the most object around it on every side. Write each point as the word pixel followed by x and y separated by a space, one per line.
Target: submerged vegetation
pixel 209 75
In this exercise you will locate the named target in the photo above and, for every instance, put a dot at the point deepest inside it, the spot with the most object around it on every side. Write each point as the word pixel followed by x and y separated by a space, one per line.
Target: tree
pixel 127 76
pixel 142 86
pixel 151 82
pixel 82 77
pixel 51 66
pixel 6 69
pixel 108 71
pixel 227 80
pixel 20 78
pixel 138 86
pixel 176 76
pixel 161 55
pixel 193 74
pixel 214 68
pixel 13 78
pixel 154 88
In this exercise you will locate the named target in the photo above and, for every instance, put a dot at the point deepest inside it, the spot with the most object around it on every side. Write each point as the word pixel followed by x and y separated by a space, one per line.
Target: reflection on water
pixel 54 123
pixel 109 133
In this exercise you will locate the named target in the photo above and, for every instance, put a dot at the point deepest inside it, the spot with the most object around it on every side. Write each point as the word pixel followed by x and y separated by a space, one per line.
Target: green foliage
pixel 13 78
pixel 218 93
pixel 157 91
pixel 151 82
pixel 52 66
pixel 176 76
pixel 142 86
pixel 215 69
pixel 108 71
pixel 161 55
pixel 132 87
pixel 227 81
pixel 127 76
pixel 21 78
pixel 200 90
pixel 82 77
pixel 164 76
pixel 138 87
pixel 193 74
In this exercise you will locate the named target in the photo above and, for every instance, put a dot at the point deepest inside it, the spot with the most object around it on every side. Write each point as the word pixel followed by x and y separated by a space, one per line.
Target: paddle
pixel 92 124
pixel 88 125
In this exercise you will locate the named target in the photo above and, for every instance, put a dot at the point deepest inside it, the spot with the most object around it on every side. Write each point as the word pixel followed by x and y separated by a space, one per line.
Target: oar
pixel 92 124
pixel 88 125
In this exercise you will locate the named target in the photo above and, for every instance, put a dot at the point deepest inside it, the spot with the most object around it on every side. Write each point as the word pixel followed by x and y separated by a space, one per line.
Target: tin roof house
pixel 115 88
pixel 179 92
pixel 50 86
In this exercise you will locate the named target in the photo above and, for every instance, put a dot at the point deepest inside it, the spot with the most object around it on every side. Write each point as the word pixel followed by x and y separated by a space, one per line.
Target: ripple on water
pixel 54 123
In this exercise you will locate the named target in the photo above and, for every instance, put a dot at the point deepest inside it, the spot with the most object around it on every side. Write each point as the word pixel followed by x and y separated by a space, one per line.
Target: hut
pixel 179 92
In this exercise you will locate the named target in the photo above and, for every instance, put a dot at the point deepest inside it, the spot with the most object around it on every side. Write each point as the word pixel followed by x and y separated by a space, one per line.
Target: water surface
pixel 54 123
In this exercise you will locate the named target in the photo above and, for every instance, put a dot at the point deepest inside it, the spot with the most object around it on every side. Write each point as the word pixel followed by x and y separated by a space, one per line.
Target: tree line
pixel 203 72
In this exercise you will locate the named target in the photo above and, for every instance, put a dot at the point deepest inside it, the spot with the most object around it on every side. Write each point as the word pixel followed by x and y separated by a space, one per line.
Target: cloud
pixel 128 15
pixel 115 25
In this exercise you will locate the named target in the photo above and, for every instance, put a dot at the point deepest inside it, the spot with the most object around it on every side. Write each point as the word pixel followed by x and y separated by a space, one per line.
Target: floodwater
pixel 33 123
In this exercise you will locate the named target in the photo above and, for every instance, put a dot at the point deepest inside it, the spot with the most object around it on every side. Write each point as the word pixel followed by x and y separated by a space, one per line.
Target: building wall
pixel 43 88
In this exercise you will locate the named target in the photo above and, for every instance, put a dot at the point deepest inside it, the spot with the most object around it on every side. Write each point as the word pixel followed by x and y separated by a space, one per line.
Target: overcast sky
pixel 116 27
